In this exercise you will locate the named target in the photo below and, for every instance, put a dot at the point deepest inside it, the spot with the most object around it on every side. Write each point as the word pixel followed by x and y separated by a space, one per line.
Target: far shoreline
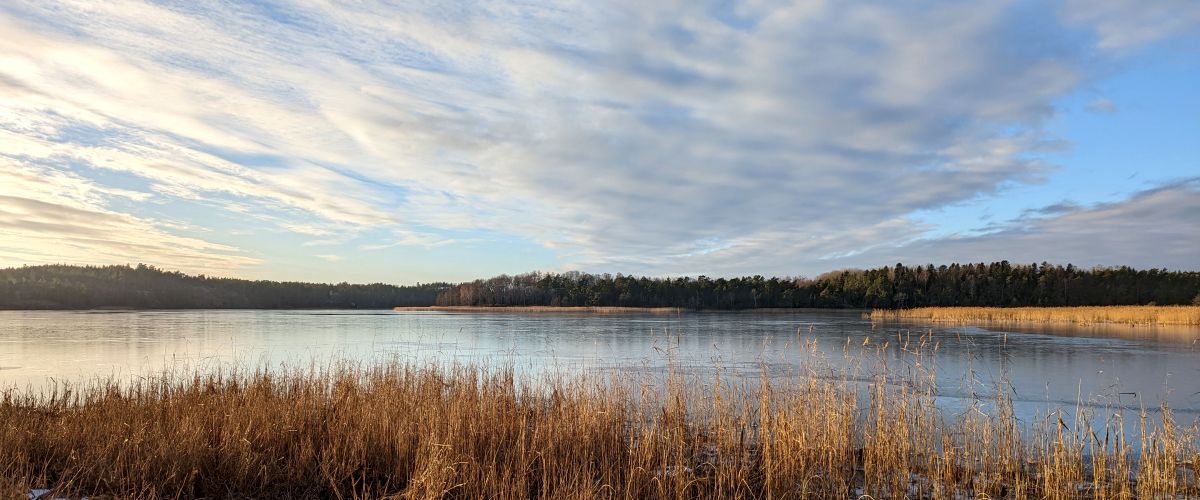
pixel 541 309
pixel 623 309
pixel 1187 316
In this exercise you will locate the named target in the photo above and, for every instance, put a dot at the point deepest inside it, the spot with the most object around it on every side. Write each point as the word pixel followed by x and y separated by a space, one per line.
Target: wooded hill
pixel 996 284
pixel 146 287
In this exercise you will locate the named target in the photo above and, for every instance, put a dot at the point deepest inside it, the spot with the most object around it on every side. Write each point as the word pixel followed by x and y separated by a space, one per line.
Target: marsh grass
pixel 403 431
pixel 1129 315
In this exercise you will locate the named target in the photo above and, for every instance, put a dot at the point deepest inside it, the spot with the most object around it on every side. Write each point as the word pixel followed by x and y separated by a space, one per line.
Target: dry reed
pixel 1129 315
pixel 401 431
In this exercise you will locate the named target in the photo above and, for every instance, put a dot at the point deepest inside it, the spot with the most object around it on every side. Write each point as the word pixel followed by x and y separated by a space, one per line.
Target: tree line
pixel 899 286
pixel 147 287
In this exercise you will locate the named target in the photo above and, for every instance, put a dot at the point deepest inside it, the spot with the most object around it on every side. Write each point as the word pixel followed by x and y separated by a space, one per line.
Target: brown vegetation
pixel 466 432
pixel 544 309
pixel 1129 315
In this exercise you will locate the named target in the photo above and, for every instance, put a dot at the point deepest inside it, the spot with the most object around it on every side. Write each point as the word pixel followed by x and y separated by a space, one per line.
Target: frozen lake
pixel 1044 366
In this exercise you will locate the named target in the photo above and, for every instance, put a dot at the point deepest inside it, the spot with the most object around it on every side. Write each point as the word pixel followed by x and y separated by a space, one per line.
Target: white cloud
pixel 1151 229
pixel 319 243
pixel 50 217
pixel 1102 105
pixel 407 239
pixel 654 135
pixel 1125 24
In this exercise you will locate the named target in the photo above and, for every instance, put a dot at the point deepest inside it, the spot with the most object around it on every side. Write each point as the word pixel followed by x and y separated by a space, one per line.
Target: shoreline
pixel 540 309
pixel 620 309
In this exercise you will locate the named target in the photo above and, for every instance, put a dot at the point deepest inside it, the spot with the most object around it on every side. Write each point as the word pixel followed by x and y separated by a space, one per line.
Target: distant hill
pixel 147 287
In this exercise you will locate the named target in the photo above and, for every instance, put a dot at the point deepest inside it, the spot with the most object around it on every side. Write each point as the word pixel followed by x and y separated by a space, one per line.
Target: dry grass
pixel 466 432
pixel 545 309
pixel 1128 315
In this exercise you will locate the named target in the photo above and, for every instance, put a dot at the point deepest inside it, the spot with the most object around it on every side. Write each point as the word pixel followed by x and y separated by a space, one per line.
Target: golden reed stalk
pixel 399 431
pixel 1128 315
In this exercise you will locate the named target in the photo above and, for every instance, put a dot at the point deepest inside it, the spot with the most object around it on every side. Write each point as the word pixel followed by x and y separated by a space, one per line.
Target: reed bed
pixel 403 431
pixel 543 309
pixel 1128 315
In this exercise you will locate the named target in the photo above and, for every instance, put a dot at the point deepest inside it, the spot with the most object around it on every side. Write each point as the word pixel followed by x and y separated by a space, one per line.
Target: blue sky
pixel 405 142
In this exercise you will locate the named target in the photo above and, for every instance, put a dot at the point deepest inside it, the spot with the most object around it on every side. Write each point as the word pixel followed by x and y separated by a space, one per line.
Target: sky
pixel 445 141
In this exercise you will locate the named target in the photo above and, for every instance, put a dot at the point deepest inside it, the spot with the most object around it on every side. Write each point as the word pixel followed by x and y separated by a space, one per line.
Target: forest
pixel 995 284
pixel 147 287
